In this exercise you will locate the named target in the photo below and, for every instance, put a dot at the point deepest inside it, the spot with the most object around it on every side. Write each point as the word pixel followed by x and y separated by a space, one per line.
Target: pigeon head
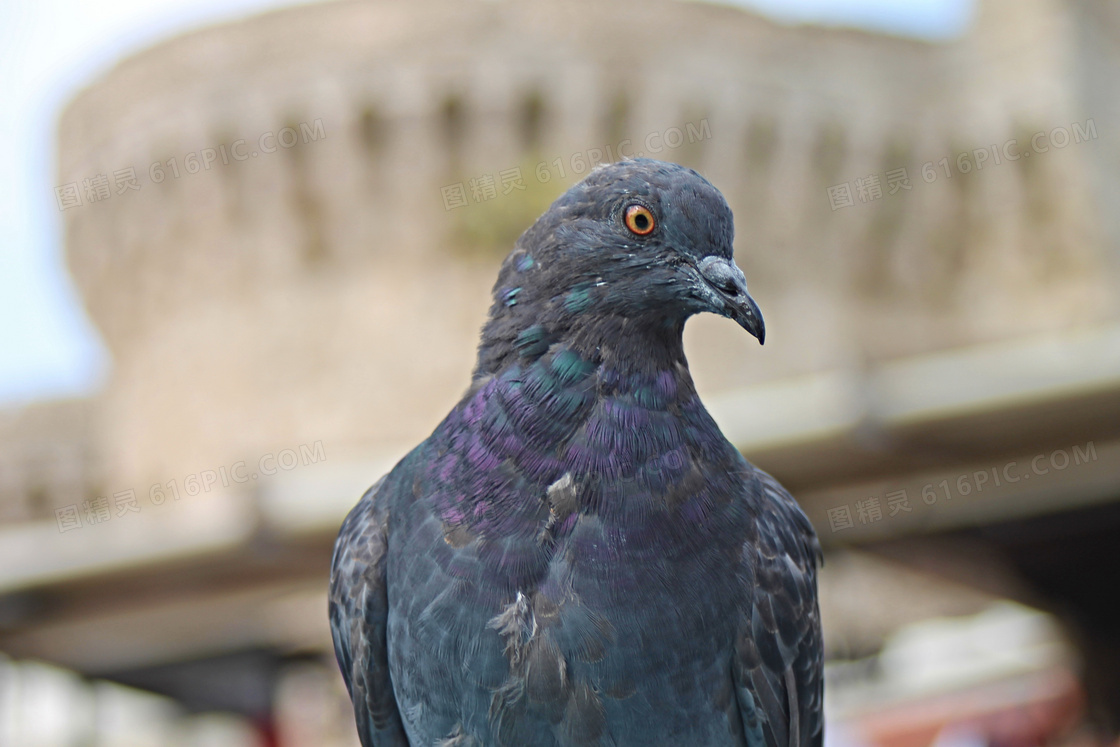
pixel 642 243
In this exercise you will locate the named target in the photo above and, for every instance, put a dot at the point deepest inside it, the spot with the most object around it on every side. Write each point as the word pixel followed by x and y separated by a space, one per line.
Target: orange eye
pixel 639 220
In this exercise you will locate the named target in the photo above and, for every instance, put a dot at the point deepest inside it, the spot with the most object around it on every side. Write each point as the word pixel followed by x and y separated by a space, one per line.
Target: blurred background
pixel 248 249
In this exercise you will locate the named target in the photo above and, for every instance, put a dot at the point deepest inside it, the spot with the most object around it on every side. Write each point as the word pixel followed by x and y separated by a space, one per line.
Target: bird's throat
pixel 627 345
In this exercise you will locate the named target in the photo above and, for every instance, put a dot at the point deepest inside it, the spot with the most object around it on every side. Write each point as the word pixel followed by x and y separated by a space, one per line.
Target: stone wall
pixel 270 296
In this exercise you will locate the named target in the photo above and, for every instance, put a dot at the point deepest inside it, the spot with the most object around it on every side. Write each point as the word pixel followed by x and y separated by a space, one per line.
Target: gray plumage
pixel 577 555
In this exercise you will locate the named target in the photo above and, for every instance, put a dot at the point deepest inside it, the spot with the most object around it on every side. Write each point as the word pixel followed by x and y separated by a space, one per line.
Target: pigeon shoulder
pixel 777 504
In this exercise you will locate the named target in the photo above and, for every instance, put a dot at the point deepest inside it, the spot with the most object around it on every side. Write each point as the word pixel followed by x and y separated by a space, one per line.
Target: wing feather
pixel 780 654
pixel 359 611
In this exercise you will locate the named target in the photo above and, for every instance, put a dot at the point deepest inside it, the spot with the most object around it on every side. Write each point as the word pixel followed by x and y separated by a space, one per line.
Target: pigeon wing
pixel 779 658
pixel 359 610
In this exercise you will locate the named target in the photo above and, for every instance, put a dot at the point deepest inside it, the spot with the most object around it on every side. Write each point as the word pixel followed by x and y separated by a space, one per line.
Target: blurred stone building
pixel 286 228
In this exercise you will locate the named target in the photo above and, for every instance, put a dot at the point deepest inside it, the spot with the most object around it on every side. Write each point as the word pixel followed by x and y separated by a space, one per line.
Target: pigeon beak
pixel 728 282
pixel 750 318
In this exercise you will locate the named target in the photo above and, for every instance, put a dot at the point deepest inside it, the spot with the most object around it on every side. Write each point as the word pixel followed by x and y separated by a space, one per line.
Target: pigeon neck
pixel 627 345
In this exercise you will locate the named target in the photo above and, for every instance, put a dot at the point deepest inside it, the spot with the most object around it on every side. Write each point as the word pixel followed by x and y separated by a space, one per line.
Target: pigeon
pixel 577 555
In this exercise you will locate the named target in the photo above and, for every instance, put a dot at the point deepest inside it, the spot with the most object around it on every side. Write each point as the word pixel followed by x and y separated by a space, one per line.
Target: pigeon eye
pixel 639 220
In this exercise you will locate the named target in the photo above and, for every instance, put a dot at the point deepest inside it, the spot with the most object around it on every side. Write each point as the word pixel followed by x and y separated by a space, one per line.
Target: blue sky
pixel 50 49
